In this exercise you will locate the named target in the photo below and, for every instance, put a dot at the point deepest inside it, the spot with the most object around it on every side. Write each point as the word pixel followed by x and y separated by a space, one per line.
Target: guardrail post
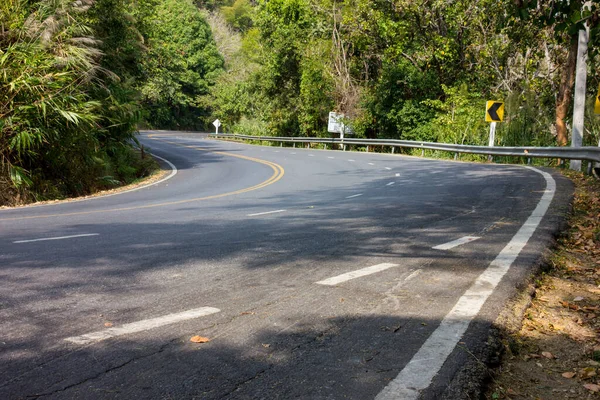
pixel 393 149
pixel 455 156
pixel 281 144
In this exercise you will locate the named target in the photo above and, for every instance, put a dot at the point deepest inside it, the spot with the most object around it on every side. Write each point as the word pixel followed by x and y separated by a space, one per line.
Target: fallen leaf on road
pixel 547 354
pixel 247 313
pixel 266 345
pixel 108 324
pixel 568 375
pixel 199 339
pixel 578 298
pixel 588 372
pixel 592 387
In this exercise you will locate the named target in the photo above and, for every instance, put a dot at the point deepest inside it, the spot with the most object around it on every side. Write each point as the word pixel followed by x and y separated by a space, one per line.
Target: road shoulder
pixel 483 350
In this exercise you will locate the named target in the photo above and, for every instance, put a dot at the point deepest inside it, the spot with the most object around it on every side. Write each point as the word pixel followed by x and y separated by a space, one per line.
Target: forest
pixel 79 79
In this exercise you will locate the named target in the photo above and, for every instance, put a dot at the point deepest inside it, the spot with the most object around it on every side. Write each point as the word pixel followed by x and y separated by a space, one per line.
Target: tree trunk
pixel 565 92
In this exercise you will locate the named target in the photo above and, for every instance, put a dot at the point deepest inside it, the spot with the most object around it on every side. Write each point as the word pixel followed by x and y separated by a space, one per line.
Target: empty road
pixel 314 274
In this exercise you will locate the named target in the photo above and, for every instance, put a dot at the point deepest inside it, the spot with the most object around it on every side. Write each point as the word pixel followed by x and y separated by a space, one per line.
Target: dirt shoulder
pixel 555 352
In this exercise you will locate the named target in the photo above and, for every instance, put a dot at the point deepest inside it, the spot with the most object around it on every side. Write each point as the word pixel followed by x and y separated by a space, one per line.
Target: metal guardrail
pixel 582 153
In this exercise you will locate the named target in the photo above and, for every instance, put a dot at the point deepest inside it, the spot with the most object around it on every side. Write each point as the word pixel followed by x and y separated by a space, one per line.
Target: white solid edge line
pixel 356 274
pixel 57 238
pixel 418 374
pixel 354 195
pixel 455 243
pixel 143 325
pixel 390 184
pixel 266 212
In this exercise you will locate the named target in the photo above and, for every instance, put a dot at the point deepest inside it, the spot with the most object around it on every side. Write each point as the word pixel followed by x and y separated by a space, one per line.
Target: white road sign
pixel 335 124
pixel 217 124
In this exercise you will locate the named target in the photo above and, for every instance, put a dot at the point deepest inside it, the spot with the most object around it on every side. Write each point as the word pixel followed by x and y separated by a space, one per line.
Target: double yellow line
pixel 278 173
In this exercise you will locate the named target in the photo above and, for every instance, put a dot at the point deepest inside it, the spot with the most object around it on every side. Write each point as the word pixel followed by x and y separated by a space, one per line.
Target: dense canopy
pixel 78 78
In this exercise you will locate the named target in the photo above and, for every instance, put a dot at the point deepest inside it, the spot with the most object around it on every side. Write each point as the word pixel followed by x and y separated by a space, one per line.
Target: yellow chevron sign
pixel 494 111
pixel 597 105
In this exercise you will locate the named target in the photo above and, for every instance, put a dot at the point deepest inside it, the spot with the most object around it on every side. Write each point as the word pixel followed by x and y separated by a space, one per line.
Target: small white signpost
pixel 336 125
pixel 217 124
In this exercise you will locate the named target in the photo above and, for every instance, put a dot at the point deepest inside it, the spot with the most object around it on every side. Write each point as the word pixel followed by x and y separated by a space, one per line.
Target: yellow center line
pixel 278 173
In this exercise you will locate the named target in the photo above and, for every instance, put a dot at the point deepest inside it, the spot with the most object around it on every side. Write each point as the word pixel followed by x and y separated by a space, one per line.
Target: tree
pixel 566 18
pixel 182 63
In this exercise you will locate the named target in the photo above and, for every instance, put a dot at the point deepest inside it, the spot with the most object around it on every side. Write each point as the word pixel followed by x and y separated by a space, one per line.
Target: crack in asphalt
pixel 238 385
pixel 106 371
pixel 306 343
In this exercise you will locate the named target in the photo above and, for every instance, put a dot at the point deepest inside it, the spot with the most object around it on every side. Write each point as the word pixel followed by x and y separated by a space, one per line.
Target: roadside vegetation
pixel 78 78
pixel 403 69
pixel 556 351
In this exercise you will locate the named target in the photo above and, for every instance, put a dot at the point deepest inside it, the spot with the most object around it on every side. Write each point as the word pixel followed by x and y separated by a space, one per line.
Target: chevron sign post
pixel 494 112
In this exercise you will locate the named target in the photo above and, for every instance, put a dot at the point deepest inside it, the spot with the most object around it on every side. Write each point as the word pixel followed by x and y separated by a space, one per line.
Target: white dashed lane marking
pixel 354 195
pixel 266 213
pixel 356 274
pixel 455 243
pixel 143 325
pixel 57 238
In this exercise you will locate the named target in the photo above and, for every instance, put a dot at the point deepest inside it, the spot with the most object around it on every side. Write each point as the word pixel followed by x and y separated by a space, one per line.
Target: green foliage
pixel 76 78
pixel 239 15
pixel 402 70
pixel 68 108
pixel 182 63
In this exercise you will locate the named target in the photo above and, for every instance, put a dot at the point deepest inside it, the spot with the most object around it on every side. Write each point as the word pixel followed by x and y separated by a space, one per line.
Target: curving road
pixel 315 275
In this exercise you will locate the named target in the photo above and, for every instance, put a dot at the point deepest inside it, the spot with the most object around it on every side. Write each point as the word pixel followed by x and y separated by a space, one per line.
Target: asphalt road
pixel 252 248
